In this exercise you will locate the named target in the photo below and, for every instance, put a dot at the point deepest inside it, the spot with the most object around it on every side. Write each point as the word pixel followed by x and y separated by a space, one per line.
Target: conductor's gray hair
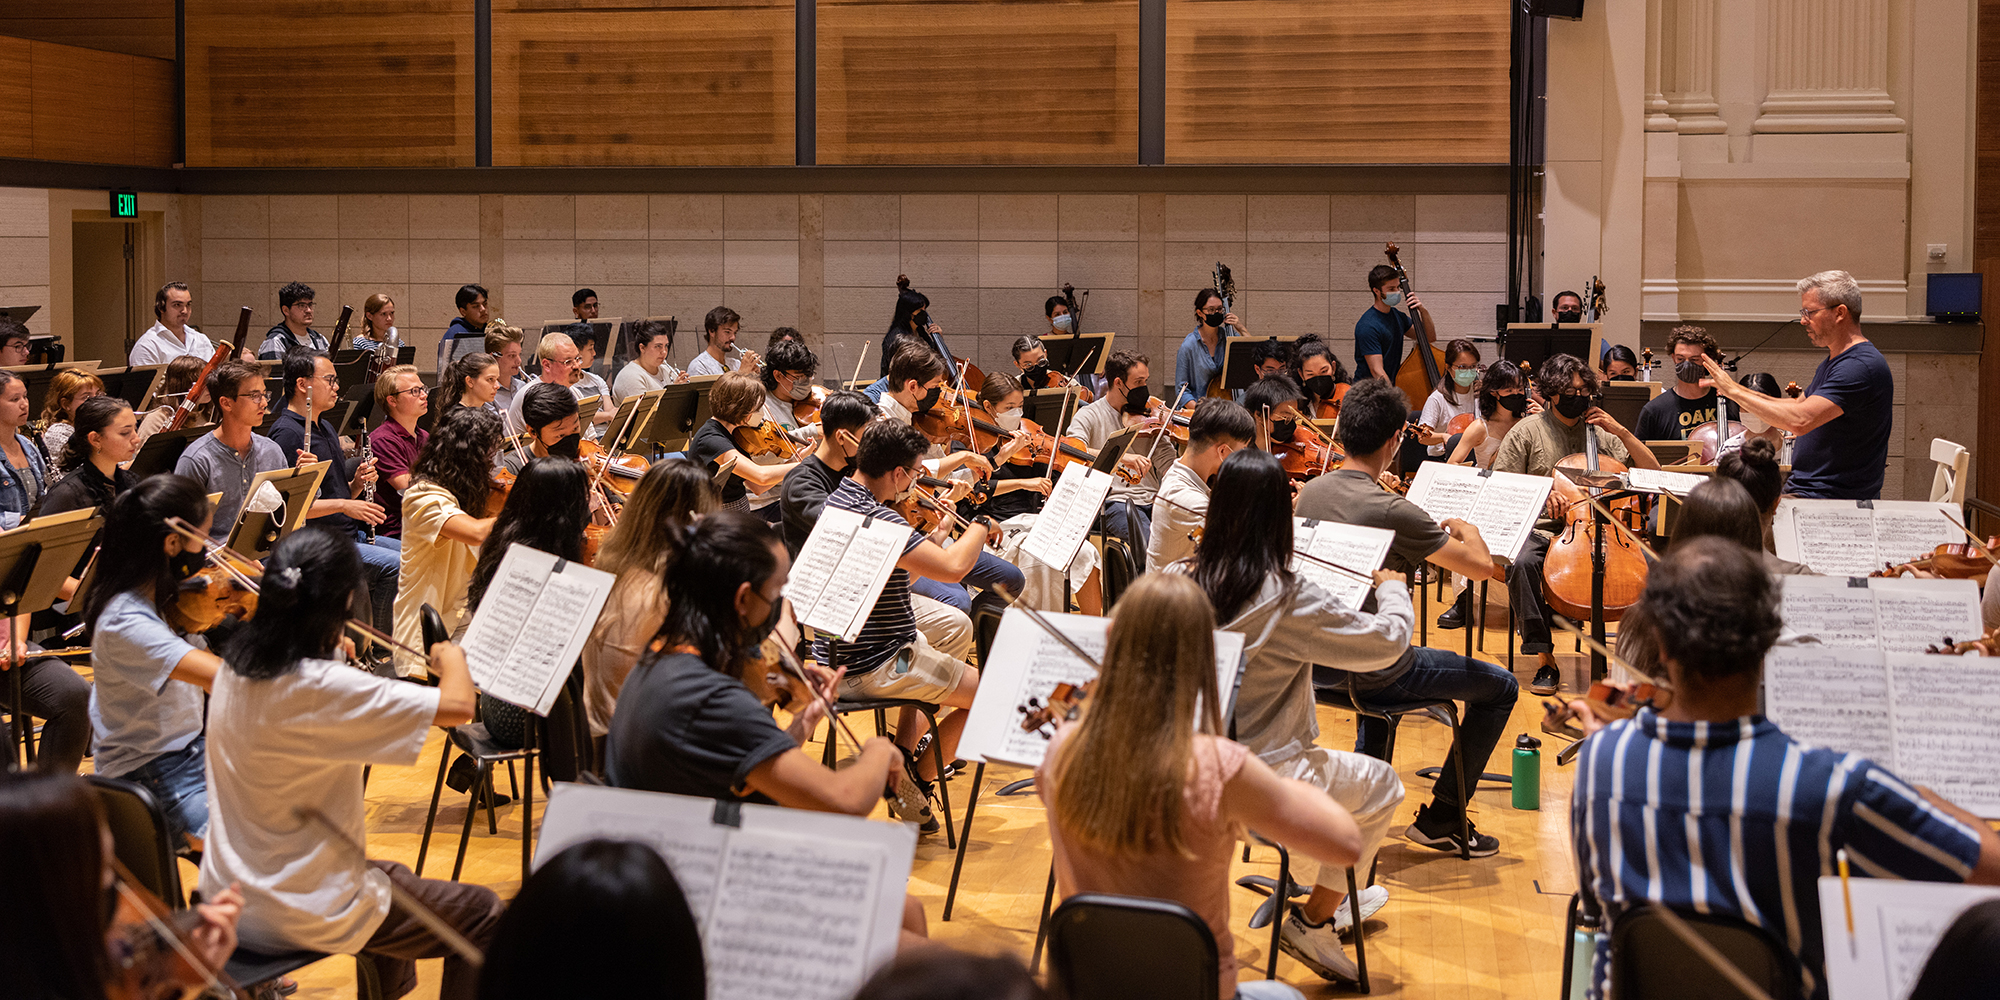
pixel 1835 288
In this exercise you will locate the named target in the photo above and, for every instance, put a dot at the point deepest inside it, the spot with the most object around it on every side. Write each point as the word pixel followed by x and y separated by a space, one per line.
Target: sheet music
pixel 1026 662
pixel 842 569
pixel 1066 518
pixel 1355 546
pixel 1942 715
pixel 1831 697
pixel 1502 505
pixel 531 624
pixel 1837 538
pixel 1906 529
pixel 1662 481
pixel 1917 614
pixel 1896 925
pixel 1830 610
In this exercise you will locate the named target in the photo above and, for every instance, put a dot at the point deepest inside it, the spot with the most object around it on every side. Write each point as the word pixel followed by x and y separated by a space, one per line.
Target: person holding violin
pixel 1218 429
pixel 1128 401
pixel 1290 623
pixel 1752 838
pixel 550 427
pixel 787 376
pixel 1687 403
pixel 1199 359
pixel 70 930
pixel 445 521
pixel 1273 403
pixel 1449 409
pixel 293 724
pixel 1019 487
pixel 650 369
pixel 149 674
pixel 1533 448
pixel 473 380
pixel 721 354
pixel 546 510
pixel 1371 427
pixel 1379 333
pixel 396 441
pixel 1031 363
pixel 916 387
pixel 735 401
pixel 1145 795
pixel 1503 401
pixel 1320 374
pixel 910 322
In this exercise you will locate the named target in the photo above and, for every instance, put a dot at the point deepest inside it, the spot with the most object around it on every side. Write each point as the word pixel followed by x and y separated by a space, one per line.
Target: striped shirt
pixel 1740 820
pixel 891 625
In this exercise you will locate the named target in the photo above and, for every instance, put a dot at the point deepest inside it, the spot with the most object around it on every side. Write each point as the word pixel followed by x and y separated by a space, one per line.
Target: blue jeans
pixel 380 562
pixel 178 785
pixel 1489 692
pixel 988 572
pixel 1131 524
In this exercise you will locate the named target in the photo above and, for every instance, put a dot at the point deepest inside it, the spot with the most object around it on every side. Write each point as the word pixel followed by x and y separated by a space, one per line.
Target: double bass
pixel 1225 286
pixel 1423 371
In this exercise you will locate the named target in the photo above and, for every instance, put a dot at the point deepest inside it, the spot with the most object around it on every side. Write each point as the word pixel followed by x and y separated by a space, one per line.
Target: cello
pixel 1566 570
pixel 1423 371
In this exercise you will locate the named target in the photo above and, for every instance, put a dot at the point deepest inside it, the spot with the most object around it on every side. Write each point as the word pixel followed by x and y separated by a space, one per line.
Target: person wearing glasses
pixel 226 459
pixel 397 440
pixel 1843 420
pixel 559 361
pixel 301 432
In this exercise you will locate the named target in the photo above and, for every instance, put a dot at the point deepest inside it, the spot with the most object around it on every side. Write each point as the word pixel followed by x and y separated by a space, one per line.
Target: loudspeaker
pixel 1567 9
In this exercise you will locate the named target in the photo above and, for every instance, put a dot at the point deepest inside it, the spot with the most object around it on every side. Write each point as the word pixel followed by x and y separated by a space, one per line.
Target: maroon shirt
pixel 395 455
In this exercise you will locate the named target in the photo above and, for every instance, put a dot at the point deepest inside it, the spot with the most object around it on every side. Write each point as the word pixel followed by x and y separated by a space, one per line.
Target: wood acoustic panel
pixel 694 83
pixel 134 27
pixel 76 105
pixel 946 81
pixel 1305 81
pixel 330 83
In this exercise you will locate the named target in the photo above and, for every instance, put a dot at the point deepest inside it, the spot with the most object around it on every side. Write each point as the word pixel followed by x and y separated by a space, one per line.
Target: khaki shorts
pixel 916 673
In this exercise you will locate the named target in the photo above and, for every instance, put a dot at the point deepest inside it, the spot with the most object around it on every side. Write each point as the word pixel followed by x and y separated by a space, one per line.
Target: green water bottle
pixel 1527 772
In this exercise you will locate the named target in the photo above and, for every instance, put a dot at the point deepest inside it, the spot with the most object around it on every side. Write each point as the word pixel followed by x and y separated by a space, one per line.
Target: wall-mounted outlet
pixel 1935 252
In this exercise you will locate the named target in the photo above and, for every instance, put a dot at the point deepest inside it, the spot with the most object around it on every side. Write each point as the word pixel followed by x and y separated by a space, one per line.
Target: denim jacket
pixel 13 492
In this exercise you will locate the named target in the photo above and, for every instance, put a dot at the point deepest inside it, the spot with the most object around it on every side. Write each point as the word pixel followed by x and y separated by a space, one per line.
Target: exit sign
pixel 124 205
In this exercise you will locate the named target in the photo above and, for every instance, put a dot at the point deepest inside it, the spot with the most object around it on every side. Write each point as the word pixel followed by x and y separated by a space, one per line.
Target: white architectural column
pixel 1657 118
pixel 1687 65
pixel 1828 68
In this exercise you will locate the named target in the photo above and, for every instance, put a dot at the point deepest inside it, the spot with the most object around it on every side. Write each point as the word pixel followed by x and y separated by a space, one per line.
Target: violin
pixel 1609 702
pixel 766 438
pixel 944 419
pixel 630 468
pixel 151 956
pixel 1985 645
pixel 806 411
pixel 1308 453
pixel 1041 446
pixel 1950 561
pixel 500 483
pixel 208 596
pixel 1566 570
pixel 1329 409
pixel 1064 704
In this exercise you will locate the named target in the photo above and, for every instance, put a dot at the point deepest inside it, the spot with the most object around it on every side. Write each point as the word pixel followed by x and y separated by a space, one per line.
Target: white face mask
pixel 1754 423
pixel 801 390
pixel 1009 420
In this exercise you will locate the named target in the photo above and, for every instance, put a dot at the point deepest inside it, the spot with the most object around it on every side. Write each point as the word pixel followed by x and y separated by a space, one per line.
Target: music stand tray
pixel 1238 371
pixel 1078 353
pixel 1624 400
pixel 1114 449
pixel 256 534
pixel 35 559
pixel 133 385
pixel 586 409
pixel 683 407
pixel 162 451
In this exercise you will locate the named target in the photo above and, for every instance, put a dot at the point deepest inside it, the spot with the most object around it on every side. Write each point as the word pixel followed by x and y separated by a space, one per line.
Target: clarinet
pixel 368 491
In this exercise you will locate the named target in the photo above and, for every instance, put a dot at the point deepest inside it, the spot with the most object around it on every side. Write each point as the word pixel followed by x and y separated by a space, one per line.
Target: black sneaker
pixel 1454 617
pixel 911 800
pixel 1548 680
pixel 1441 832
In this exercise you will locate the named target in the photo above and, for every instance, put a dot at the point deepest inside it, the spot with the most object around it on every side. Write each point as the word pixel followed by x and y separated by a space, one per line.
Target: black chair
pixel 475 742
pixel 1108 946
pixel 1335 688
pixel 881 706
pixel 1118 571
pixel 1648 960
pixel 1282 890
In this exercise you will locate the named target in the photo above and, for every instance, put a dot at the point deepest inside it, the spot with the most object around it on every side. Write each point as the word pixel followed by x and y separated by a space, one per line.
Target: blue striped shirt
pixel 892 624
pixel 1738 819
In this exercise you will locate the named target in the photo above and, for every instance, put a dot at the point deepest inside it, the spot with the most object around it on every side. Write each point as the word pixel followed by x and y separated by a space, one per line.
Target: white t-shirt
pixel 705 363
pixel 276 745
pixel 634 379
pixel 156 346
pixel 1172 524
pixel 1439 411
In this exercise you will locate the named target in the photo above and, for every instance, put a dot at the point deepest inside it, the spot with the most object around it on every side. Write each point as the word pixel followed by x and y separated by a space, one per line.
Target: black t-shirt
pixel 289 431
pixel 1002 506
pixel 802 496
pixel 685 728
pixel 1669 416
pixel 710 442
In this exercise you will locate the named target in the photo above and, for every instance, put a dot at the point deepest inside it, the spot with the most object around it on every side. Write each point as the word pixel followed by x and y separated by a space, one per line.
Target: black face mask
pixel 1570 316
pixel 930 399
pixel 1690 371
pixel 922 321
pixel 1212 320
pixel 1282 430
pixel 1136 398
pixel 1515 405
pixel 1320 386
pixel 755 635
pixel 186 564
pixel 566 447
pixel 1036 375
pixel 1572 407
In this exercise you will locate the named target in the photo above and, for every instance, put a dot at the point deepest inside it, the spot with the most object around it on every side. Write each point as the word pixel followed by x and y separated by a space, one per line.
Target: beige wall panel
pixel 1747 229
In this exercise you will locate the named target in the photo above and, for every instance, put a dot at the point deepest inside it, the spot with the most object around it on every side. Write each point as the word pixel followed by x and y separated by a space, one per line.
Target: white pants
pixel 946 628
pixel 1365 786
pixel 1041 588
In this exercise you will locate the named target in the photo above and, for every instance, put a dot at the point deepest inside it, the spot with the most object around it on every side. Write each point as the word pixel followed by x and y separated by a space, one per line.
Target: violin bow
pixel 788 662
pixel 1977 544
pixel 217 979
pixel 218 556
pixel 411 905
pixel 858 361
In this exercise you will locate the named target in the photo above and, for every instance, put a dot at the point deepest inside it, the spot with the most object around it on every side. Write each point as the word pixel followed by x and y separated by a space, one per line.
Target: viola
pixel 500 484
pixel 1985 645
pixel 1950 561
pixel 1064 703
pixel 944 419
pixel 626 470
pixel 205 598
pixel 1329 409
pixel 806 411
pixel 1041 446
pixel 593 539
pixel 151 955
pixel 1566 571
pixel 766 438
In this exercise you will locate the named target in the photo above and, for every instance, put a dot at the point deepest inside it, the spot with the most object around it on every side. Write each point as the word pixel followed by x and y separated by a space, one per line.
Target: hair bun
pixel 1760 451
pixel 903 282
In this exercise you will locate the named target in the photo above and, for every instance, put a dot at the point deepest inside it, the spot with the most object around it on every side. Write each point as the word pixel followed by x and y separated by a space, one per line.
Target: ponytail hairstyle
pixel 303 605
pixel 450 388
pixel 92 417
pixel 710 561
pixel 1755 465
pixel 1247 537
pixel 135 527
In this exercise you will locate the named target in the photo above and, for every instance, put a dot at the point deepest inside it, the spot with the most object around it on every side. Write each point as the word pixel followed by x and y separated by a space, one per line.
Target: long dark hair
pixel 909 302
pixel 131 558
pixel 1755 465
pixel 1722 507
pixel 459 456
pixel 720 553
pixel 545 510
pixel 602 918
pixel 1247 537
pixel 308 584
pixel 450 386
pixel 52 928
pixel 1501 374
pixel 93 415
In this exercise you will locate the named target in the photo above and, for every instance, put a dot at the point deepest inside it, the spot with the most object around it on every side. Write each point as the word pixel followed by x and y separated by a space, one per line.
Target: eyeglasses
pixel 259 396
pixel 332 380
pixel 405 392
pixel 1808 313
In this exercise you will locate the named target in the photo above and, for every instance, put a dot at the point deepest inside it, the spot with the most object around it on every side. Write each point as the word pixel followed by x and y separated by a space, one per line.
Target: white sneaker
pixel 1372 899
pixel 1319 949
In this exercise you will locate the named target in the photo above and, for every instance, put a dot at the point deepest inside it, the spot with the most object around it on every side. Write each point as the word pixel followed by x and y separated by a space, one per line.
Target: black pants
pixel 1524 586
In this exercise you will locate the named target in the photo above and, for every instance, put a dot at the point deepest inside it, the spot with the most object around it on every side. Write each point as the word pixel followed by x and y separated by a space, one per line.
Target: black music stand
pixel 1051 408
pixel 1078 354
pixel 1537 342
pixel 683 407
pixel 1238 371
pixel 38 378
pixel 256 534
pixel 133 385
pixel 162 451
pixel 1624 400
pixel 600 331
pixel 34 560
pixel 348 413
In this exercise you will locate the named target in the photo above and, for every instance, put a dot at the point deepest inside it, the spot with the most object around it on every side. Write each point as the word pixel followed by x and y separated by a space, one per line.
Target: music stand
pixel 628 410
pixel 683 407
pixel 1050 407
pixel 587 407
pixel 600 331
pixel 35 559
pixel 1114 449
pixel 19 314
pixel 256 534
pixel 1537 342
pixel 350 411
pixel 1624 400
pixel 162 451
pixel 1238 371
pixel 133 385
pixel 1078 354
pixel 38 377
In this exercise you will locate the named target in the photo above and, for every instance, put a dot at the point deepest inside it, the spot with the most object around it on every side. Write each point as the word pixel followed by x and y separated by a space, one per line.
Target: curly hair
pixel 1712 608
pixel 62 389
pixel 459 456
pixel 1690 334
pixel 1559 371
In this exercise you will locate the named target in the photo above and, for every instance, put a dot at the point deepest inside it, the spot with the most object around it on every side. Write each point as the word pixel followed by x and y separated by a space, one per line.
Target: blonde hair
pixel 369 309
pixel 735 396
pixel 546 350
pixel 65 386
pixel 499 335
pixel 1121 774
pixel 386 383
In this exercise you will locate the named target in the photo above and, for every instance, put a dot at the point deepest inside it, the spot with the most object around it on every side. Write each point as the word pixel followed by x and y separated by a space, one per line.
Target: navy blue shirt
pixel 1843 459
pixel 1378 332
pixel 289 431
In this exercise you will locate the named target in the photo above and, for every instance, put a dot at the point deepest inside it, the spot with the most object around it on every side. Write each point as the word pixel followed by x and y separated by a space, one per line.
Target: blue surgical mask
pixel 1393 299
pixel 1063 323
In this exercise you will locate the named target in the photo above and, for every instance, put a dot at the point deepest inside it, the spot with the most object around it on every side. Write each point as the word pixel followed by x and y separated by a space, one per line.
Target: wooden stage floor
pixel 1487 928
